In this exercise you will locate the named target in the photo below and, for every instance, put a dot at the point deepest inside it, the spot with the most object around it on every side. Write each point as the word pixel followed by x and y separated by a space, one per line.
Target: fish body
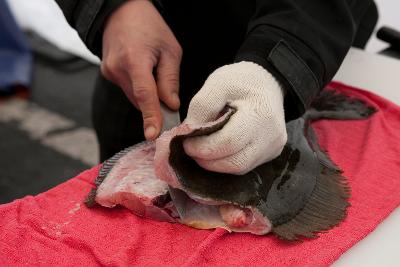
pixel 298 194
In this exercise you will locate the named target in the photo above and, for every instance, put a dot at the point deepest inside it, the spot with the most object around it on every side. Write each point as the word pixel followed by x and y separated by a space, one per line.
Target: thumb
pixel 207 104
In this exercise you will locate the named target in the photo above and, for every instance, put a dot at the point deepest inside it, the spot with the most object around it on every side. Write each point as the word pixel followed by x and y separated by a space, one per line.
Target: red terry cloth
pixel 56 229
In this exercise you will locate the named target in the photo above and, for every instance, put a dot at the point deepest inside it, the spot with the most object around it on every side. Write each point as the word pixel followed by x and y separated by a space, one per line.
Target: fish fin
pixel 103 172
pixel 321 154
pixel 330 104
pixel 325 209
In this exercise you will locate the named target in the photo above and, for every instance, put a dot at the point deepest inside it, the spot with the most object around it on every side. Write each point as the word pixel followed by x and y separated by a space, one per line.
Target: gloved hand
pixel 256 132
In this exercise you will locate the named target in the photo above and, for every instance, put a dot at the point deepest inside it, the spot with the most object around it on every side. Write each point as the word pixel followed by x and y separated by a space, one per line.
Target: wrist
pixel 125 4
pixel 95 34
pixel 268 82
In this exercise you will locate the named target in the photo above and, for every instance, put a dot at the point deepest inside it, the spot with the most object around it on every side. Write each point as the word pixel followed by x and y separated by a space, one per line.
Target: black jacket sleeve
pixel 87 17
pixel 302 42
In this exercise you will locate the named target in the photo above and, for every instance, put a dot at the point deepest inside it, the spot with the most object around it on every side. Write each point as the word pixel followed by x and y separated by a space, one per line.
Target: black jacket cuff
pixel 94 36
pixel 289 60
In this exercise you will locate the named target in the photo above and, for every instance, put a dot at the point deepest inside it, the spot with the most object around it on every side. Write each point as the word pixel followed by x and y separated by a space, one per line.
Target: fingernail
pixel 150 132
pixel 175 97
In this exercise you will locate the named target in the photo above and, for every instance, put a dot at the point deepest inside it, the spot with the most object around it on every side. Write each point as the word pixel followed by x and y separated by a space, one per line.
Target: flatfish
pixel 298 194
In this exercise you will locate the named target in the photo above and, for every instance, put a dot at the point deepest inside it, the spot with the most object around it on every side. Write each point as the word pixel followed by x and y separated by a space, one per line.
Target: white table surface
pixel 380 75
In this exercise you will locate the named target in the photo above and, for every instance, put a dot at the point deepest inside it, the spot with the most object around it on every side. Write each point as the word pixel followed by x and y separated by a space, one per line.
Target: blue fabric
pixel 15 55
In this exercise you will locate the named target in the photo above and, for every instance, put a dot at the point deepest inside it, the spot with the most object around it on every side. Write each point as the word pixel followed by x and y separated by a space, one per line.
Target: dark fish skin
pixel 279 188
pixel 301 192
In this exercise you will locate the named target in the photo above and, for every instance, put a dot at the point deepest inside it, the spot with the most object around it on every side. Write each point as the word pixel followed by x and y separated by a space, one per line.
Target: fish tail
pixel 328 202
pixel 325 209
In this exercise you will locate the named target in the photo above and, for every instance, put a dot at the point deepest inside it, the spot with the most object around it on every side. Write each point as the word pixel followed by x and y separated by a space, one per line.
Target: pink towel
pixel 56 229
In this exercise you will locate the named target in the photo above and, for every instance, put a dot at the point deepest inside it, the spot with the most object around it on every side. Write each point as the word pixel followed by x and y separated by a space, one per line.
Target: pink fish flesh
pixel 138 179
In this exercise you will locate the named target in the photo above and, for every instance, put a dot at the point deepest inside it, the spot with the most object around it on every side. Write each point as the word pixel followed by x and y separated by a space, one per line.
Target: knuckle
pixel 239 170
pixel 176 50
pixel 148 117
pixel 171 78
pixel 198 104
pixel 141 93
pixel 104 70
pixel 179 51
pixel 284 138
pixel 195 144
pixel 195 110
pixel 222 141
pixel 197 101
pixel 281 134
pixel 128 51
pixel 189 147
pixel 242 162
pixel 129 57
pixel 128 61
pixel 235 167
pixel 107 68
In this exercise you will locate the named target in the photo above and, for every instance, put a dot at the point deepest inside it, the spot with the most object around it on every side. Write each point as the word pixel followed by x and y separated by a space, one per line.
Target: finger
pixel 126 87
pixel 115 74
pixel 239 163
pixel 206 105
pixel 245 160
pixel 168 79
pixel 145 94
pixel 232 138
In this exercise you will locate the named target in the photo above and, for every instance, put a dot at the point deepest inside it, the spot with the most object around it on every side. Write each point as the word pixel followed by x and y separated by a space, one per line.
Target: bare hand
pixel 136 41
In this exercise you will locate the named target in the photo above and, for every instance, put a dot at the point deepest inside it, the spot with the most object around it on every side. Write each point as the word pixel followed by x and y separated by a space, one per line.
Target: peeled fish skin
pixel 132 183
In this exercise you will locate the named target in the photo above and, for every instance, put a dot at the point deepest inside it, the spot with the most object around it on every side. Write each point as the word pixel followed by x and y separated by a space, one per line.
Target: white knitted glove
pixel 255 134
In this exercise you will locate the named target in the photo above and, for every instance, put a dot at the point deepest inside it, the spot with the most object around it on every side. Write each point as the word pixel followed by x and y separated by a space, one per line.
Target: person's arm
pixel 293 48
pixel 302 43
pixel 138 50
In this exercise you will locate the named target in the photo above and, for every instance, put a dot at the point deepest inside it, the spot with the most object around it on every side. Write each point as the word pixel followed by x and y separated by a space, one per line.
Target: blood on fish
pixel 234 216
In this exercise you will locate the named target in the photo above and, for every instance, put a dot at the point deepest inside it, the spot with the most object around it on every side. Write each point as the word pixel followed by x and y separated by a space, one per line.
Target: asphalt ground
pixel 47 138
